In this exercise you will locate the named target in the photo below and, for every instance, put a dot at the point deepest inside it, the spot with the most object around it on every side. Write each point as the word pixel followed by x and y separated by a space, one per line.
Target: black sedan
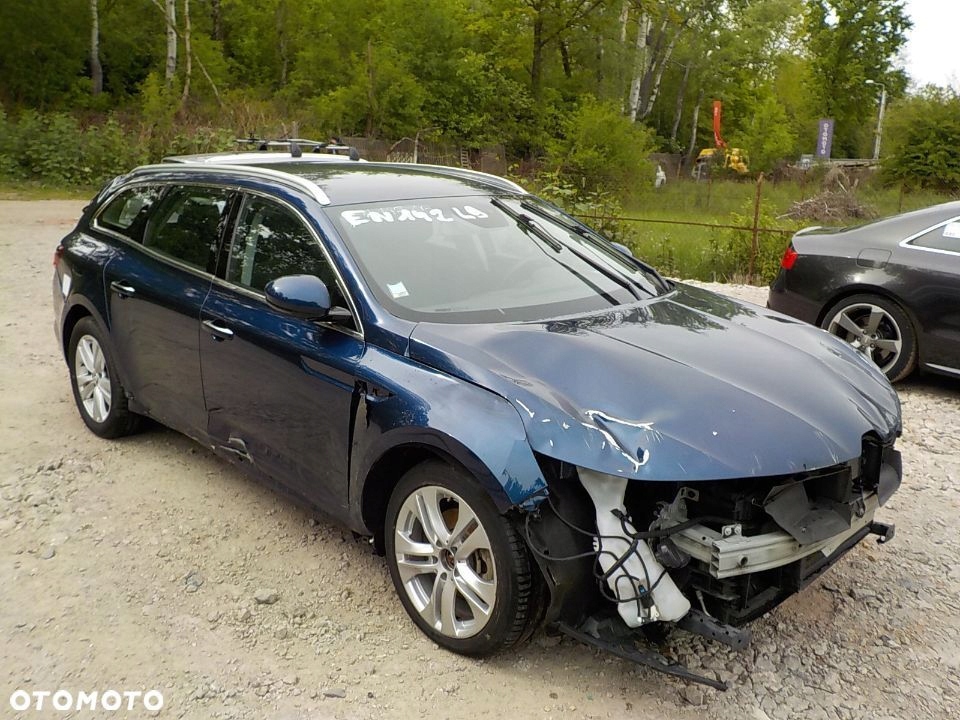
pixel 890 288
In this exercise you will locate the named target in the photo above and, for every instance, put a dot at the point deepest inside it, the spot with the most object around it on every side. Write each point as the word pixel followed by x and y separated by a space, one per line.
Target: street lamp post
pixel 883 104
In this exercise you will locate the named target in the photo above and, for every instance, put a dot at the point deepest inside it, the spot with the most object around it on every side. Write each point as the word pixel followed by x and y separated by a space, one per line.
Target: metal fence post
pixel 755 244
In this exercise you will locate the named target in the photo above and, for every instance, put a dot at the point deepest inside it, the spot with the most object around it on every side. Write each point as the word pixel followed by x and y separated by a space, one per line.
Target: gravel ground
pixel 148 563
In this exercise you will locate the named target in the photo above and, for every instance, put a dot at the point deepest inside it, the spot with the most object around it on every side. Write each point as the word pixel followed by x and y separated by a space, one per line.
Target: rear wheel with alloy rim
pixel 461 570
pixel 100 397
pixel 878 328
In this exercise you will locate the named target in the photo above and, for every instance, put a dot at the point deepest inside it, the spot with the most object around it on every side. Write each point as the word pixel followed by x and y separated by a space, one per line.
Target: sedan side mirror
pixel 303 295
pixel 623 249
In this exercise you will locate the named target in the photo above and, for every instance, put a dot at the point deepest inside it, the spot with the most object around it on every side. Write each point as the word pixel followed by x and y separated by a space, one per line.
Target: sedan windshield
pixel 487 259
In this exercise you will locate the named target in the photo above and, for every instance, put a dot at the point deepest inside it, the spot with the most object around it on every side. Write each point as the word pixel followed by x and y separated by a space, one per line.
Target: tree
pixel 43 53
pixel 602 149
pixel 96 69
pixel 851 41
pixel 171 17
pixel 766 135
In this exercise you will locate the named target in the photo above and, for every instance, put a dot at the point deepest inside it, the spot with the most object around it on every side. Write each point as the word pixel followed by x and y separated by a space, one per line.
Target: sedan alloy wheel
pixel 877 328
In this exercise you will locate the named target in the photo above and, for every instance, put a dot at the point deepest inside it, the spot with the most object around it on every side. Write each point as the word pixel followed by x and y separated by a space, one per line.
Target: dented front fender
pixel 404 403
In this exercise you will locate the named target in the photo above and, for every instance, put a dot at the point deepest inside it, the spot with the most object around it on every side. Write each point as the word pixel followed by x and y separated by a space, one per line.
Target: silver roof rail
pixel 298 182
pixel 464 173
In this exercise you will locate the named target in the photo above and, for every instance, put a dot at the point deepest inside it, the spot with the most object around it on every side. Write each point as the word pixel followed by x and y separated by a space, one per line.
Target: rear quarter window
pixel 944 237
pixel 127 212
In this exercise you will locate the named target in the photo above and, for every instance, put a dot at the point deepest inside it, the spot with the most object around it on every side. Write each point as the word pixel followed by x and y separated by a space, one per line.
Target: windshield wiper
pixel 526 222
pixel 594 238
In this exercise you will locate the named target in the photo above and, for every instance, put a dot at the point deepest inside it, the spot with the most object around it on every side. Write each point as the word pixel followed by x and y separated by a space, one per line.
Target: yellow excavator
pixel 733 158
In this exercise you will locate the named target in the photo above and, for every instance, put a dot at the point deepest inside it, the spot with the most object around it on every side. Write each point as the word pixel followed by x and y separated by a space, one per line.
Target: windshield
pixel 487 259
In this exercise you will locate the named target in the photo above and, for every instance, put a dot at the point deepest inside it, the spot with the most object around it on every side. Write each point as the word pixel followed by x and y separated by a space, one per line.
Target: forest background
pixel 579 95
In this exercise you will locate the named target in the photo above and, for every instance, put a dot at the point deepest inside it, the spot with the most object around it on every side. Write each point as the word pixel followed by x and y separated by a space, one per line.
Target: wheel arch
pixel 78 310
pixel 865 289
pixel 384 472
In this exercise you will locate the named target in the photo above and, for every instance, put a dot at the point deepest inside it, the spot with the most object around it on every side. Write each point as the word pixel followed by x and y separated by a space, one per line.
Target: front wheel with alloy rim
pixel 461 570
pixel 97 389
pixel 878 328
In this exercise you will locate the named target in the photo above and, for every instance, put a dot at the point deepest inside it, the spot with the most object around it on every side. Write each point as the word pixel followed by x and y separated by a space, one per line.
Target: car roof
pixel 346 182
pixel 897 227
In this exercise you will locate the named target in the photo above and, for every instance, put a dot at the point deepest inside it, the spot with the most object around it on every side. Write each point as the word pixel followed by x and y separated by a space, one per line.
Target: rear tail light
pixel 57 254
pixel 789 258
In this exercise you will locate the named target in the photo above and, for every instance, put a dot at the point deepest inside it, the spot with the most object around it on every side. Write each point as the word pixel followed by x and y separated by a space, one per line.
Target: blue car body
pixel 684 387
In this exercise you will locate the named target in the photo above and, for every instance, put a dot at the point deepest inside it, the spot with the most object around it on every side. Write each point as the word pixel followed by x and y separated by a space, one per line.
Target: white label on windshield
pixel 952 230
pixel 398 290
pixel 420 213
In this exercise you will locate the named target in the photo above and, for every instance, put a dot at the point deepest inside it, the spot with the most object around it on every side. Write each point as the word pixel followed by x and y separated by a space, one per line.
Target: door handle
pixel 218 332
pixel 122 289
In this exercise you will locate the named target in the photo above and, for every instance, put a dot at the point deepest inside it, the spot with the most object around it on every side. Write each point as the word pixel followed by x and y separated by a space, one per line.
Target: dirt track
pixel 135 565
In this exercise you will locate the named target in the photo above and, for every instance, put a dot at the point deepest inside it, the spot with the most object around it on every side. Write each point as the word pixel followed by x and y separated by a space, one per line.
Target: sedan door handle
pixel 122 289
pixel 218 332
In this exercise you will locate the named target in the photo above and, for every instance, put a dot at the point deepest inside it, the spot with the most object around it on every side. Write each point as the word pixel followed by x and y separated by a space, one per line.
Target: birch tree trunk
pixel 655 76
pixel 96 69
pixel 171 15
pixel 639 65
pixel 187 53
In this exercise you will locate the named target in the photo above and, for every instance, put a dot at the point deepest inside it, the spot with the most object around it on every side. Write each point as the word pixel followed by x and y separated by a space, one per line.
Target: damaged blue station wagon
pixel 534 426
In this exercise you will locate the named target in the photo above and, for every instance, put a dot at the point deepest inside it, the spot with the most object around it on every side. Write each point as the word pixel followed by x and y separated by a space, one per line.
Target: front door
pixel 280 390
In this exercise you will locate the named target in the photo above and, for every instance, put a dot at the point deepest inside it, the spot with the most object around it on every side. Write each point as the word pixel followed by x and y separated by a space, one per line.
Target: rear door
pixel 280 390
pixel 931 267
pixel 156 287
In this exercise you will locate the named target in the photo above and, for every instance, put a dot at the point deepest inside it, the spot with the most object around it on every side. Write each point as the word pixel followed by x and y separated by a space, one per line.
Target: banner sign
pixel 824 138
pixel 717 112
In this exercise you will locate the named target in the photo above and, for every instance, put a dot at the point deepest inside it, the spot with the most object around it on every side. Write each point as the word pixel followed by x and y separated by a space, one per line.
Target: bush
pixel 55 149
pixel 730 251
pixel 923 141
pixel 602 151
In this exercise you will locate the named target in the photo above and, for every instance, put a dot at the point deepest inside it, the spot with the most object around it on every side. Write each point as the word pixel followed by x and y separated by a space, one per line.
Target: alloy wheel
pixel 445 562
pixel 871 330
pixel 93 379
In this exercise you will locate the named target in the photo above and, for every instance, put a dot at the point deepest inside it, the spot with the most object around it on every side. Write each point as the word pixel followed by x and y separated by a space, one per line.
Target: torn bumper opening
pixel 705 557
pixel 730 550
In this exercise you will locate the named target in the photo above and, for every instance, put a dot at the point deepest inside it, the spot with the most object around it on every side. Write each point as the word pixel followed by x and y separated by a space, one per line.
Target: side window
pixel 187 224
pixel 270 242
pixel 945 237
pixel 127 212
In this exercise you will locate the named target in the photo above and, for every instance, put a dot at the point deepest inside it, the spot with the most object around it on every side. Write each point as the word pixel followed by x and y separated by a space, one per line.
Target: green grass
pixel 707 253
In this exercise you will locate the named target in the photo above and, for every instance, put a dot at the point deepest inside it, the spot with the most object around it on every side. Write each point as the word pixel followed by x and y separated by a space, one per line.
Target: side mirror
pixel 303 295
pixel 623 248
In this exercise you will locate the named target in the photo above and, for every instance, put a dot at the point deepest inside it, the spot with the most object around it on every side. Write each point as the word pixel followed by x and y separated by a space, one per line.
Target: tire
pixel 97 390
pixel 473 592
pixel 879 328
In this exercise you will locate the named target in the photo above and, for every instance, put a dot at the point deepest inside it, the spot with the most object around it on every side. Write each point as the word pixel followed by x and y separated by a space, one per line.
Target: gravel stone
pixel 266 597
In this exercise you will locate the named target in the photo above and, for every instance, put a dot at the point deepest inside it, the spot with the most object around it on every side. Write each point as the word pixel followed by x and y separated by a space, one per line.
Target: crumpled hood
pixel 687 386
